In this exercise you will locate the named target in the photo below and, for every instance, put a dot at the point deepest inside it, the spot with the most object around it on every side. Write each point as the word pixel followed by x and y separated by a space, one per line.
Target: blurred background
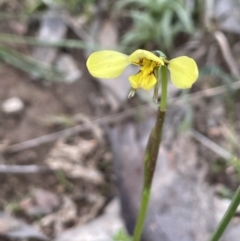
pixel 71 146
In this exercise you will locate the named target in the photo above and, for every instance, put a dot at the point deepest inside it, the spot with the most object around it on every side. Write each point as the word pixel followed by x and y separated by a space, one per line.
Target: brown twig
pixel 113 119
pixel 23 169
pixel 227 53
pixel 211 145
pixel 67 132
pixel 206 93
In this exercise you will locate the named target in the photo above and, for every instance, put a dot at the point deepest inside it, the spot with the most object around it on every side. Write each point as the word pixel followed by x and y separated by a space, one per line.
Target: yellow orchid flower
pixel 110 64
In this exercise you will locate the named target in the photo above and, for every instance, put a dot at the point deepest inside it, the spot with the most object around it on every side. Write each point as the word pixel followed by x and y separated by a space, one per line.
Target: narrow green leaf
pixel 28 64
pixel 166 25
pixel 183 17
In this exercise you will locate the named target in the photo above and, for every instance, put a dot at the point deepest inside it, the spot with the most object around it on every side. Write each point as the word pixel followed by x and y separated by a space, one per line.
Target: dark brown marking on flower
pixel 150 73
pixel 140 61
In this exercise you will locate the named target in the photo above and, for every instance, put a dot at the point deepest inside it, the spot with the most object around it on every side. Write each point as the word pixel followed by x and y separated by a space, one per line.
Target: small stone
pixel 12 229
pixel 102 228
pixel 230 22
pixel 12 105
pixel 52 29
pixel 67 65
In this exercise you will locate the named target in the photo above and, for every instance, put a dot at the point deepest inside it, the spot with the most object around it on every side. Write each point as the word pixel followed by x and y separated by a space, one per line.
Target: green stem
pixel 142 214
pixel 227 216
pixel 150 157
pixel 163 103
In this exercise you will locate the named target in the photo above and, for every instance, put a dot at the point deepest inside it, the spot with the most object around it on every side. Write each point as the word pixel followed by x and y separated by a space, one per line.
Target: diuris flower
pixel 110 64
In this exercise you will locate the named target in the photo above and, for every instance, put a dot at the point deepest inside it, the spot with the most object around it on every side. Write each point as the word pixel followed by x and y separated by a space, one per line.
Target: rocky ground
pixel 71 150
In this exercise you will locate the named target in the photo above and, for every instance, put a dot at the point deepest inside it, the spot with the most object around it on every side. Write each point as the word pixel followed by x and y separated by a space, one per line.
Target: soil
pixel 46 100
pixel 43 100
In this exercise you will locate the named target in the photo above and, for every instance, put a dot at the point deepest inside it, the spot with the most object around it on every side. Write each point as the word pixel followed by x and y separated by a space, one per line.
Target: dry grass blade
pixel 68 132
pixel 211 145
pixel 67 43
pixel 227 53
pixel 23 169
pixel 27 64
pixel 207 93
pixel 113 119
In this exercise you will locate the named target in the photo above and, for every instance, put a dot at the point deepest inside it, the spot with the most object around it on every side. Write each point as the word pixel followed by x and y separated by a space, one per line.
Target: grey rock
pixel 52 29
pixel 102 228
pixel 232 232
pixel 182 204
pixel 66 64
pixel 227 14
pixel 14 228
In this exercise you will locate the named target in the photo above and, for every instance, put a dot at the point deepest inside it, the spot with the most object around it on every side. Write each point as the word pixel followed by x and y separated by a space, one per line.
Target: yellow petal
pixel 107 64
pixel 142 81
pixel 183 72
pixel 140 53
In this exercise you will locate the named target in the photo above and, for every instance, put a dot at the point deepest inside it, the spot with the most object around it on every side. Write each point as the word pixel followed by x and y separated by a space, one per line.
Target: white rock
pixel 227 15
pixel 13 228
pixel 67 65
pixel 52 29
pixel 13 105
pixel 222 205
pixel 102 228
